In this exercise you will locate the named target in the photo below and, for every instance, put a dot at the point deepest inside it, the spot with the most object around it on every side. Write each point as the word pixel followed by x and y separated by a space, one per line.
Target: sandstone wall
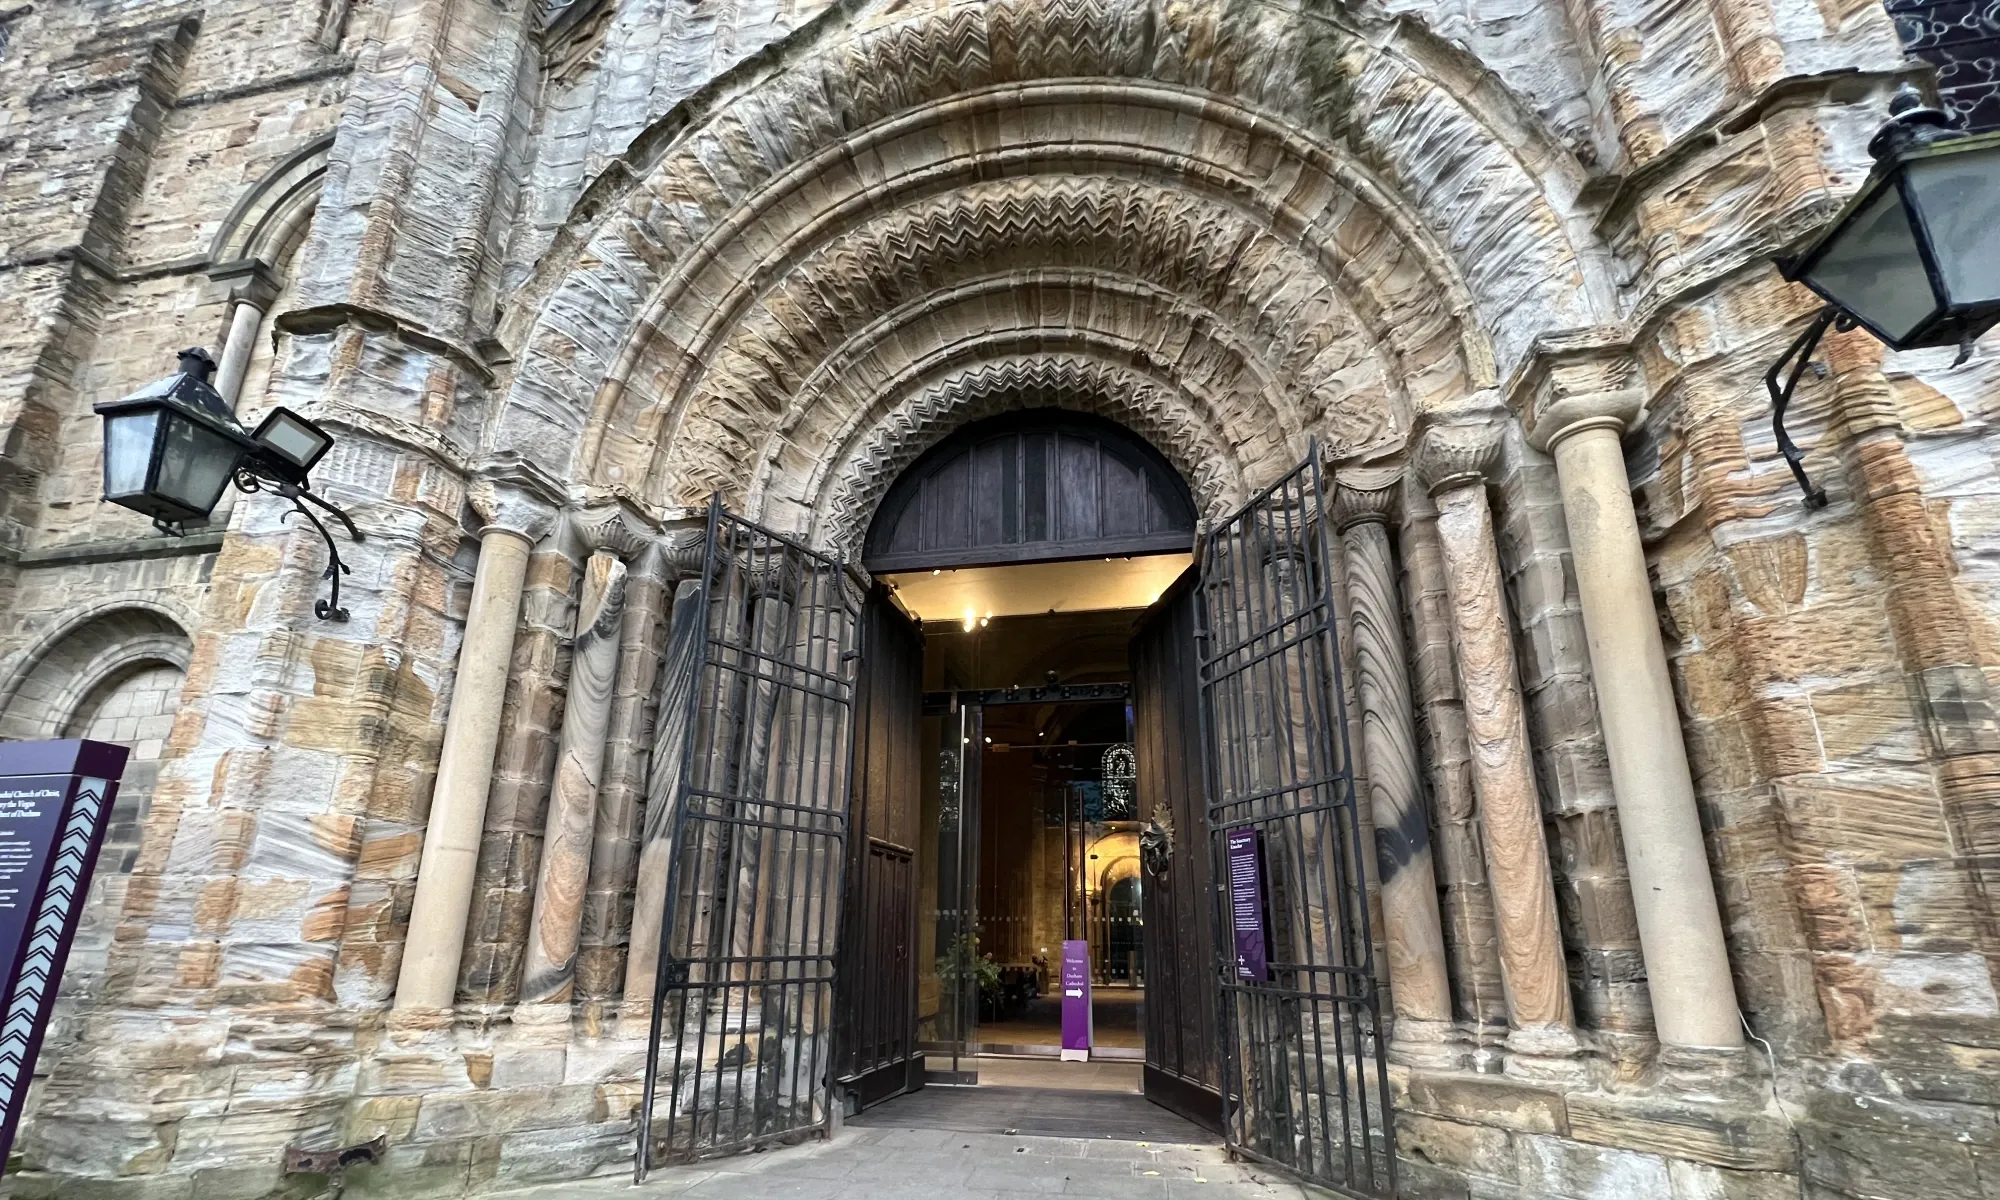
pixel 699 206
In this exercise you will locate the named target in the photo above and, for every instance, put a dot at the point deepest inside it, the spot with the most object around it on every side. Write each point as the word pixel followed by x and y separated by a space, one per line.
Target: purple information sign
pixel 1246 902
pixel 55 800
pixel 1076 1001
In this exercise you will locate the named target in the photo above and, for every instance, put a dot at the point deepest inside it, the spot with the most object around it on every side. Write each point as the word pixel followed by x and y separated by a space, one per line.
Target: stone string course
pixel 779 248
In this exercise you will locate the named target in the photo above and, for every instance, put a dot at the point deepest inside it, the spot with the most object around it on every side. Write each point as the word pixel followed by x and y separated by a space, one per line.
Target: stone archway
pixel 1211 224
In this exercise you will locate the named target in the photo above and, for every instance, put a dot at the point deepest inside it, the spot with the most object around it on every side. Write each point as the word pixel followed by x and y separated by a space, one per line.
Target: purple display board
pixel 1246 902
pixel 1076 1000
pixel 55 800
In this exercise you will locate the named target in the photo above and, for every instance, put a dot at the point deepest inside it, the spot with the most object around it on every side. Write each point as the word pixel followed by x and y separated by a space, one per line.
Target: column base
pixel 1707 1072
pixel 1548 1053
pixel 1428 1045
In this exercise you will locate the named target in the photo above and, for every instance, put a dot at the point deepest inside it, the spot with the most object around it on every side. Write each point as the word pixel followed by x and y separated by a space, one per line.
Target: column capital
pixel 513 495
pixel 684 551
pixel 611 527
pixel 1577 383
pixel 247 281
pixel 1455 456
pixel 1365 495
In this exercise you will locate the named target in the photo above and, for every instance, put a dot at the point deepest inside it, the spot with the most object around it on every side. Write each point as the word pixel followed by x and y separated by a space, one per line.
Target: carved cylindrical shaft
pixel 1417 979
pixel 549 972
pixel 429 972
pixel 678 683
pixel 1680 925
pixel 1510 811
pixel 243 326
pixel 607 917
pixel 1466 899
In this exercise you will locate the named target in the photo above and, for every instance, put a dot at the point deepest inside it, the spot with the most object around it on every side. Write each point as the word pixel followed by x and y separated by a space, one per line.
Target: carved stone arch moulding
pixel 268 224
pixel 859 466
pixel 41 696
pixel 724 264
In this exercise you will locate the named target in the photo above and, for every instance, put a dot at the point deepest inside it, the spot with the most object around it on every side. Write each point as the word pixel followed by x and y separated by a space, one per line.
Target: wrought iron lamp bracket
pixel 1798 357
pixel 255 476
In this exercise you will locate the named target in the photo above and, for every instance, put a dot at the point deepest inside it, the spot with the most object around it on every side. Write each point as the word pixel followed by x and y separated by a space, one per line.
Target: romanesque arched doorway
pixel 1034 574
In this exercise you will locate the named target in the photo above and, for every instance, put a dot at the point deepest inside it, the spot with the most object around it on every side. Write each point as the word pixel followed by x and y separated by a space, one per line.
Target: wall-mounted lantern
pixel 171 447
pixel 1914 258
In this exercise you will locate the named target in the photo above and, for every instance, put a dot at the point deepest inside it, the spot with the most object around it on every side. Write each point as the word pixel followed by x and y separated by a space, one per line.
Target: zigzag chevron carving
pixel 1286 311
pixel 38 965
pixel 881 450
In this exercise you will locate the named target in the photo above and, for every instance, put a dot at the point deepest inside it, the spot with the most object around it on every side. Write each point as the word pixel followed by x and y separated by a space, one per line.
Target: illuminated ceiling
pixel 1028 589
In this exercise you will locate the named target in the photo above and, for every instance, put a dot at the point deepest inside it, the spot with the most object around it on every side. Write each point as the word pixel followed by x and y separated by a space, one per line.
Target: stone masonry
pixel 1706 784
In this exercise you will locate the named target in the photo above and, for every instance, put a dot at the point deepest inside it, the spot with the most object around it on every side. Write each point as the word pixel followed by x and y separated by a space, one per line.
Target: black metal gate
pixel 739 1053
pixel 1304 1079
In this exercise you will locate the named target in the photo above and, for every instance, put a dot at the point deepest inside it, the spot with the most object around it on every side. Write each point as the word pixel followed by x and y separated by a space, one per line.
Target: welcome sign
pixel 55 800
pixel 1076 1014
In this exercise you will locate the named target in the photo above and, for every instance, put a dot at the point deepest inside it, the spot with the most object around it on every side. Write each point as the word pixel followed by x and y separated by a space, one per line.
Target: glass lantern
pixel 171 447
pixel 1915 256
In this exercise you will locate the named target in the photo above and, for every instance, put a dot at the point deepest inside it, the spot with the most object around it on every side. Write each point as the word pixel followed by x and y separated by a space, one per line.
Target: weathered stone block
pixel 1721 1135
pixel 449 1116
pixel 1553 1166
pixel 1464 1148
pixel 1484 1100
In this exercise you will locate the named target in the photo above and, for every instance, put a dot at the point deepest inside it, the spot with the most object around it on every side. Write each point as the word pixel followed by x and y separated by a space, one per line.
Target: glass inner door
pixel 951 964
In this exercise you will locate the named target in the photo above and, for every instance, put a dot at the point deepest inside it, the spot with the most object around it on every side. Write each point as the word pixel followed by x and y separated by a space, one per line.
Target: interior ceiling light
pixel 1033 589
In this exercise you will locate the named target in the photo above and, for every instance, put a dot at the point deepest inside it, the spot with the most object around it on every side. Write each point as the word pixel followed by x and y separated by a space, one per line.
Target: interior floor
pixel 1115 1015
pixel 999 1070
pixel 1038 1110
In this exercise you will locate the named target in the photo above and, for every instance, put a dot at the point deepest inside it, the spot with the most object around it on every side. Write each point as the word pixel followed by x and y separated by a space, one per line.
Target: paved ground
pixel 879 1163
pixel 942 1144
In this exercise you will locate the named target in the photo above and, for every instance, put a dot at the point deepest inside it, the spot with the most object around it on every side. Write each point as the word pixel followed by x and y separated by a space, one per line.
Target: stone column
pixel 1465 898
pixel 614 855
pixel 687 625
pixel 1574 413
pixel 1453 463
pixel 548 974
pixel 1408 881
pixel 253 292
pixel 515 520
pixel 243 326
pixel 253 288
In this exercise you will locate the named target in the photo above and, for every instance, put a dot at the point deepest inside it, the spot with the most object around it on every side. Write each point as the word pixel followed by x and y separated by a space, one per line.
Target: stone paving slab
pixel 931 1164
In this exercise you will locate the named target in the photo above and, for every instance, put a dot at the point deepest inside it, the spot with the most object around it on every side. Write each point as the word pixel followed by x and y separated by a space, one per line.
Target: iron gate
pixel 738 1053
pixel 1304 1079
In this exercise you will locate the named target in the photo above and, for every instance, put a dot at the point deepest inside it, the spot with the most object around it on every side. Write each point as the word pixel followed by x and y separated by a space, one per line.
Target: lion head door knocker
pixel 1156 842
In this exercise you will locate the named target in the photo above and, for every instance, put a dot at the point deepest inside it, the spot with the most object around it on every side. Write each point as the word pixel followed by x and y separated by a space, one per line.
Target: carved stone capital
pixel 611 527
pixel 247 281
pixel 513 495
pixel 1569 385
pixel 683 552
pixel 1455 456
pixel 1369 494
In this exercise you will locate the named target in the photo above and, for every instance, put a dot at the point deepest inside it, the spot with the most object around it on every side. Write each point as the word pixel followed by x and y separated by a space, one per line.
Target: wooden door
pixel 876 1051
pixel 1181 1017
